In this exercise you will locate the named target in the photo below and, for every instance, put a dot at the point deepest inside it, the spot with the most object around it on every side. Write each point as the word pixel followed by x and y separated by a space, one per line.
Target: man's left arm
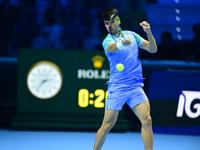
pixel 149 45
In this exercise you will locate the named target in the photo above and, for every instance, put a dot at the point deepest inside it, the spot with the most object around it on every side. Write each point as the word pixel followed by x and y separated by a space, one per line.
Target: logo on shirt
pixel 190 101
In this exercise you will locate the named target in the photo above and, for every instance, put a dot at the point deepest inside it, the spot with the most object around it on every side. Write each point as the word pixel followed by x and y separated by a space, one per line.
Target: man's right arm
pixel 112 48
pixel 115 47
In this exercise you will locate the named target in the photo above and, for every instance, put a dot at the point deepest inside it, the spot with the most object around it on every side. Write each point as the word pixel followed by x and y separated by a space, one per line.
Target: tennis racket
pixel 114 16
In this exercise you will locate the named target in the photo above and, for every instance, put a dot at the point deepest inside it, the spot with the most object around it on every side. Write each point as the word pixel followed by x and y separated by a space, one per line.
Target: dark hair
pixel 108 12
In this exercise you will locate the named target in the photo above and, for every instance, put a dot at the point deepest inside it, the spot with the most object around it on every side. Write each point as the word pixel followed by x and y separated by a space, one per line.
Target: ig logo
pixel 187 98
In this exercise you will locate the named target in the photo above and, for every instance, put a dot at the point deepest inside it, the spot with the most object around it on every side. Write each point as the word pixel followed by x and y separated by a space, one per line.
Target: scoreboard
pixel 62 89
pixel 90 72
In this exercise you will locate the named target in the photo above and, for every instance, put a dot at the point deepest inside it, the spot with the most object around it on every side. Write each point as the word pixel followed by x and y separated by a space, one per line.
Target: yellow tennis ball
pixel 120 67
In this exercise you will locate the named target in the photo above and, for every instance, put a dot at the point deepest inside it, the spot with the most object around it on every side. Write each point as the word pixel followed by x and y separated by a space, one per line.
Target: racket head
pixel 118 20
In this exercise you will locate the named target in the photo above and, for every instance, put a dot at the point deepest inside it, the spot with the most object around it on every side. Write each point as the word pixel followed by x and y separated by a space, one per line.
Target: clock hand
pixel 41 84
pixel 45 80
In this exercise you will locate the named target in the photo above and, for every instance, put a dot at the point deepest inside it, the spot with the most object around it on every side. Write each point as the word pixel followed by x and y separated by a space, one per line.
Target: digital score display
pixel 89 98
pixel 89 88
pixel 85 98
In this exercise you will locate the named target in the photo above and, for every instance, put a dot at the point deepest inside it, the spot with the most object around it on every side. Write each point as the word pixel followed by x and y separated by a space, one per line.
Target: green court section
pixel 79 105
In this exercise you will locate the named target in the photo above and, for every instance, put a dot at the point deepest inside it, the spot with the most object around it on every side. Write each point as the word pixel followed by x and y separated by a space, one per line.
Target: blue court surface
pixel 70 140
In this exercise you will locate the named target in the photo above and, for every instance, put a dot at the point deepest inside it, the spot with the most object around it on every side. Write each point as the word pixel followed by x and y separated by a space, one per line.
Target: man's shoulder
pixel 108 36
pixel 108 39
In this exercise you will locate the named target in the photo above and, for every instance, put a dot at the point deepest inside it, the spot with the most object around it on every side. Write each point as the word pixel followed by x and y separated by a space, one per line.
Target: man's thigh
pixel 110 116
pixel 142 111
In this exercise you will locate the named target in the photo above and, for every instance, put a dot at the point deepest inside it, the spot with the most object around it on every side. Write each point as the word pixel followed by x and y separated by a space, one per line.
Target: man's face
pixel 112 27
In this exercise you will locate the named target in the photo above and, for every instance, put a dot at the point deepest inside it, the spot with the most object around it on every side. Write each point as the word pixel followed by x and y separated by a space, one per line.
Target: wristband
pixel 120 45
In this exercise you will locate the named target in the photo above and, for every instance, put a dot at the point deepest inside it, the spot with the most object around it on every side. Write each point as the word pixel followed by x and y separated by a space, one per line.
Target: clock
pixel 44 80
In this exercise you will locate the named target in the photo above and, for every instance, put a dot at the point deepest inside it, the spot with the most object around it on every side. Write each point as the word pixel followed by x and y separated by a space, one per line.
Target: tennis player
pixel 125 86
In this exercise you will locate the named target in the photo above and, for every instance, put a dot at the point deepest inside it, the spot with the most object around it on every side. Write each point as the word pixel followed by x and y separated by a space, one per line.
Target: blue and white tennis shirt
pixel 132 73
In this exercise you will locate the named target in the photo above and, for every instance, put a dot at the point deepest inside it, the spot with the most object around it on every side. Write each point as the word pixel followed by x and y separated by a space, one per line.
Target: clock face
pixel 44 80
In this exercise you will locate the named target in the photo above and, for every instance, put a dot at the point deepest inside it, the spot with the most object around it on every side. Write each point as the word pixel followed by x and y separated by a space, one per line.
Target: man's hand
pixel 126 42
pixel 146 27
pixel 149 45
pixel 115 47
